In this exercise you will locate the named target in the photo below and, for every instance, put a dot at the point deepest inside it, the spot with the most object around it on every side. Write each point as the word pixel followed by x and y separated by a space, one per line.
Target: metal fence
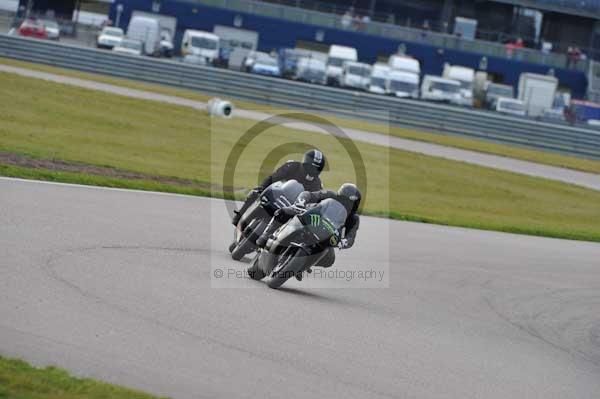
pixel 285 93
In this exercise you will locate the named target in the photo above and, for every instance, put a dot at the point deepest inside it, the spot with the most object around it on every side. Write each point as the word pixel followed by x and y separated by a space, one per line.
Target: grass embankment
pixel 19 380
pixel 542 157
pixel 48 121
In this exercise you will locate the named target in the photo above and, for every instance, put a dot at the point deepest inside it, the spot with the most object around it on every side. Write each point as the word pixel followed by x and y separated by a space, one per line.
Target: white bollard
pixel 218 107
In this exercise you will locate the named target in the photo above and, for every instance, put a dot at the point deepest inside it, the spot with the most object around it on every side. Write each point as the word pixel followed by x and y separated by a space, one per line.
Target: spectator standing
pixel 346 20
pixel 511 47
pixel 573 56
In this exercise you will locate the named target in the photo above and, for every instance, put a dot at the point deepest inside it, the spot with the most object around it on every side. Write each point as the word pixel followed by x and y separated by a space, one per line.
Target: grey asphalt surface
pixel 119 285
pixel 588 180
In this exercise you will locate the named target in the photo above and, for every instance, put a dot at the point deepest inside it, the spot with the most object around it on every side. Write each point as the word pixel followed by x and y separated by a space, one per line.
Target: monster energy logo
pixel 315 220
pixel 329 227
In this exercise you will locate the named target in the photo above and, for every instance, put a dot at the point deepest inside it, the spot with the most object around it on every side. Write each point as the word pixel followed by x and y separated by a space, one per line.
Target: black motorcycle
pixel 300 243
pixel 256 218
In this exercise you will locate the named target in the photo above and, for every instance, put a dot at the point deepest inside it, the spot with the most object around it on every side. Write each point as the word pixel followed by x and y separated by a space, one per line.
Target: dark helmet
pixel 314 162
pixel 350 196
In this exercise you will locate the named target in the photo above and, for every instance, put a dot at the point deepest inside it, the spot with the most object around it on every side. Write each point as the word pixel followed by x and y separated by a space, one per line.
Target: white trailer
pixel 537 92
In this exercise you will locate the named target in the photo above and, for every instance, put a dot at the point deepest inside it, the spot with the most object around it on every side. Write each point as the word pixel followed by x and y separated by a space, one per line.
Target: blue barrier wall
pixel 275 33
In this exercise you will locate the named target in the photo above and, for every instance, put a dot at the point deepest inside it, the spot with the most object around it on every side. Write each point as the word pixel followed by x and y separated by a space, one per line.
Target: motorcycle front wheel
pixel 287 266
pixel 243 247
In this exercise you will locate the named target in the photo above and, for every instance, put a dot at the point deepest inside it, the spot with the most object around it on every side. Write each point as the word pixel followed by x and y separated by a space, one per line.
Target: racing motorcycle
pixel 300 243
pixel 256 218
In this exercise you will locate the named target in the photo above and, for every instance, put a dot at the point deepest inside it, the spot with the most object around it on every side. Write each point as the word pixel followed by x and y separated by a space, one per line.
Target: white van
pixel 465 76
pixel 335 61
pixel 377 83
pixel 355 75
pixel 404 63
pixel 312 70
pixel 199 43
pixel 436 88
pixel 147 30
pixel 402 84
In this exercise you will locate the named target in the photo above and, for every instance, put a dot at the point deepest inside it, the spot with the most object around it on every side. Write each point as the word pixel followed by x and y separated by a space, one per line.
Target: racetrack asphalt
pixel 120 285
pixel 584 179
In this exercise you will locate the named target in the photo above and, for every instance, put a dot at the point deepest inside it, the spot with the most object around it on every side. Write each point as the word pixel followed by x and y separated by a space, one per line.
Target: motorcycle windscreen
pixel 333 211
pixel 282 194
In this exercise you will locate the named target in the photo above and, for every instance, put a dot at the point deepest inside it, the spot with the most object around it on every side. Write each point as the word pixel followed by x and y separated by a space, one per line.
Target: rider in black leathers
pixel 348 195
pixel 305 172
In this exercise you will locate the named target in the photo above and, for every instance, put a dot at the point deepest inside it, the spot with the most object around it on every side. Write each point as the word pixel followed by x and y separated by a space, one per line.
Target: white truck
pixel 312 70
pixel 466 77
pixel 379 73
pixel 197 43
pixel 404 76
pixel 404 63
pixel 537 92
pixel 402 84
pixel 335 62
pixel 355 75
pixel 147 30
pixel 168 28
pixel 234 40
pixel 436 88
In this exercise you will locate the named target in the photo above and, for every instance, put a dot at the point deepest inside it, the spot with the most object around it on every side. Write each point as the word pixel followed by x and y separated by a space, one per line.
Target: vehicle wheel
pixel 254 271
pixel 292 265
pixel 232 246
pixel 244 246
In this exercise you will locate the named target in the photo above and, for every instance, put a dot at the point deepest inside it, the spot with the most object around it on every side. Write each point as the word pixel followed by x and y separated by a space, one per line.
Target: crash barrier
pixel 488 125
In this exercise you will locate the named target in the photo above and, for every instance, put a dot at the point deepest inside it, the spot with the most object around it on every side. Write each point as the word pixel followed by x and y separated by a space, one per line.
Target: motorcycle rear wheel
pixel 254 271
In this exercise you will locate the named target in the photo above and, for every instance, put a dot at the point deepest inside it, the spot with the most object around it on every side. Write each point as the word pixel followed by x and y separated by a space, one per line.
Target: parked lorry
pixel 402 84
pixel 537 92
pixel 436 88
pixel 199 43
pixel 312 70
pixel 379 73
pixel 404 63
pixel 288 60
pixel 168 28
pixel 494 91
pixel 232 39
pixel 355 75
pixel 404 76
pixel 148 31
pixel 510 106
pixel 465 77
pixel 335 62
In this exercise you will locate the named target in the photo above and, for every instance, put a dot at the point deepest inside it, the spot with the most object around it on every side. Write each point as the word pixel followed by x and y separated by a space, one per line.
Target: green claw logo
pixel 315 220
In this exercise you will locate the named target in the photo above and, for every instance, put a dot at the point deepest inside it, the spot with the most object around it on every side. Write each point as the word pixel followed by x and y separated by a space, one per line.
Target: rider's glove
pixel 302 198
pixel 255 191
pixel 343 243
pixel 284 214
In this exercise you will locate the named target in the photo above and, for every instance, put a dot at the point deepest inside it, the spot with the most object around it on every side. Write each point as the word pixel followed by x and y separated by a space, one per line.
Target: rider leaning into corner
pixel 348 195
pixel 305 172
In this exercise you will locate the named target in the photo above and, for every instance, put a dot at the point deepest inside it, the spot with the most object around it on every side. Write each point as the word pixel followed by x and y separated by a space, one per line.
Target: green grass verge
pixel 46 120
pixel 94 180
pixel 542 157
pixel 19 380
